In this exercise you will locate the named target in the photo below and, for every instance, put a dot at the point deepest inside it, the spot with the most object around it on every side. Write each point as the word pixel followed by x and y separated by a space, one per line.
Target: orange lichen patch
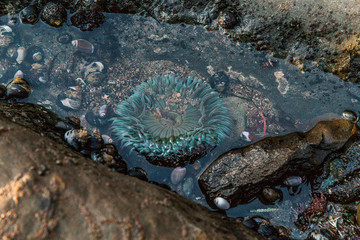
pixel 15 189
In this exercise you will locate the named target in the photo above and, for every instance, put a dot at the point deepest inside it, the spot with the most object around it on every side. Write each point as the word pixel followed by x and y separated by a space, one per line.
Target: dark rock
pixel 340 181
pixel 240 174
pixel 87 200
pixel 54 14
pixel 87 19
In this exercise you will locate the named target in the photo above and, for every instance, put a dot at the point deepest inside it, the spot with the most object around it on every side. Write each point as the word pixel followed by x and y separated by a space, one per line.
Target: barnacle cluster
pixel 172 120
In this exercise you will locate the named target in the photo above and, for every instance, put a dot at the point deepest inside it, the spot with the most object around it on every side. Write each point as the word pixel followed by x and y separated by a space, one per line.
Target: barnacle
pixel 171 120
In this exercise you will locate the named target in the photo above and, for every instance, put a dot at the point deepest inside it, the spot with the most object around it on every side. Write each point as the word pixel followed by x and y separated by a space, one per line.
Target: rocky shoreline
pixel 315 36
pixel 67 196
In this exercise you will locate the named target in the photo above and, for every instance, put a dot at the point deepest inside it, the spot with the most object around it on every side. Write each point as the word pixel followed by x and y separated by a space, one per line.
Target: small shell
pixel 95 141
pixel 18 88
pixel 19 74
pixel 93 67
pixel 83 45
pixel 21 54
pixel 107 139
pixel 177 175
pixel 5 29
pixel 221 203
pixel 293 181
pixel 270 195
pixel 71 99
pixel 138 173
pixel 37 57
pixel 29 15
pixel 64 38
pixel 350 115
pixel 77 138
pixel 99 116
pixel 246 136
pixel 95 78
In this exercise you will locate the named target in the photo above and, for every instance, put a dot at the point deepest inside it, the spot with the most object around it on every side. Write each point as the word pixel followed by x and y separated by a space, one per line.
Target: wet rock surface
pixel 74 198
pixel 340 179
pixel 241 173
pixel 312 35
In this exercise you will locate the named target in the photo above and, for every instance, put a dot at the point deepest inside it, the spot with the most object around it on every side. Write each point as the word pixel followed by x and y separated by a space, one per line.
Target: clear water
pixel 134 49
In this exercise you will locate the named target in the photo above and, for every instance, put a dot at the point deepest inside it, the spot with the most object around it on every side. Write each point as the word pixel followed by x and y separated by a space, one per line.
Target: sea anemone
pixel 171 120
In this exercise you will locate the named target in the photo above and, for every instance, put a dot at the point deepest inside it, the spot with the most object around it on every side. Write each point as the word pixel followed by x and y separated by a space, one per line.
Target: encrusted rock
pixel 239 174
pixel 340 181
pixel 86 200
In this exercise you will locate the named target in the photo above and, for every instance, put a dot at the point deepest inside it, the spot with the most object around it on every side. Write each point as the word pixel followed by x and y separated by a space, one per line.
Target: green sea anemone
pixel 171 120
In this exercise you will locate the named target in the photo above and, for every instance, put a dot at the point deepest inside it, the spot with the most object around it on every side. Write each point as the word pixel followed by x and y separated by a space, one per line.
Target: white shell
pixel 93 67
pixel 107 139
pixel 221 203
pixel 19 73
pixel 21 54
pixel 5 28
pixel 177 175
pixel 246 136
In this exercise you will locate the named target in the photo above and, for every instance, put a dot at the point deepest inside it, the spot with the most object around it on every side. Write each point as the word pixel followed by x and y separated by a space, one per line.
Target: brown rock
pixel 40 199
pixel 241 173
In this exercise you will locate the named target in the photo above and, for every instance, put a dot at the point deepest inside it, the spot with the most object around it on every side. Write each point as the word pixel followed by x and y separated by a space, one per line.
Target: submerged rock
pixel 240 174
pixel 340 181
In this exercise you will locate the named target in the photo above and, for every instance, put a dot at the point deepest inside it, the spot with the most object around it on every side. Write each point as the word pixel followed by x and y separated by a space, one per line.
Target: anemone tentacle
pixel 172 120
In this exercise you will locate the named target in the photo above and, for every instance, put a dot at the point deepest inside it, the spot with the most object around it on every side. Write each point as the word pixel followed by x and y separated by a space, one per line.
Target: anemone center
pixel 168 118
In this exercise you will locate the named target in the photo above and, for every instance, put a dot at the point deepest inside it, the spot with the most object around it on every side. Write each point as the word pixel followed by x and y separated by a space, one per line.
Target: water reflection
pixel 267 96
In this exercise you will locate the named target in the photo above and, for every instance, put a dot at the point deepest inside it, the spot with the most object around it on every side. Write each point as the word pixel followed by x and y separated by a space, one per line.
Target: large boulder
pixel 49 191
pixel 240 174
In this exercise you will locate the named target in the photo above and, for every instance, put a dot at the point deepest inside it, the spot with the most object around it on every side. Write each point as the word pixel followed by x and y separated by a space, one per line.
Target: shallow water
pixel 134 49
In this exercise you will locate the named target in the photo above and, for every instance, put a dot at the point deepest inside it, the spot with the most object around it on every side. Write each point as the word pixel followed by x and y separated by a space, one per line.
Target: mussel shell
pixel 350 115
pixel 220 82
pixel 70 99
pixel 18 88
pixel 93 67
pixel 29 15
pixel 2 91
pixel 99 116
pixel 95 142
pixel 95 78
pixel 270 195
pixel 77 138
pixel 67 124
pixel 138 173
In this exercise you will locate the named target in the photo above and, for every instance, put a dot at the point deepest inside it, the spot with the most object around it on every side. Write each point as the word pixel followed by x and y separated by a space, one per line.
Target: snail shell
pixel 350 115
pixel 29 15
pixel 21 55
pixel 221 203
pixel 177 175
pixel 293 181
pixel 83 45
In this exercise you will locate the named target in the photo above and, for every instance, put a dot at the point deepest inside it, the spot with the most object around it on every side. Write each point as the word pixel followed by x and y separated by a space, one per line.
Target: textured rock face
pixel 340 179
pixel 48 191
pixel 311 34
pixel 241 173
